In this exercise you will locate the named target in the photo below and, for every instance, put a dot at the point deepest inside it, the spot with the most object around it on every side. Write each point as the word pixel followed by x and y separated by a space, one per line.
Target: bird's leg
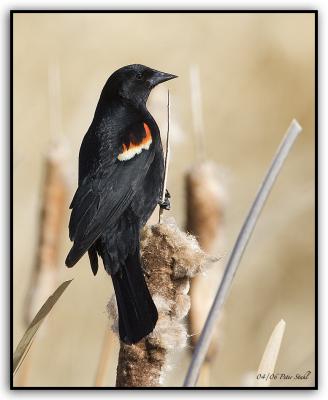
pixel 166 205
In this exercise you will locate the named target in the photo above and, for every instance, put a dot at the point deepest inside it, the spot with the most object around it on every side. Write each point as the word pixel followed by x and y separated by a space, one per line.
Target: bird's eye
pixel 139 76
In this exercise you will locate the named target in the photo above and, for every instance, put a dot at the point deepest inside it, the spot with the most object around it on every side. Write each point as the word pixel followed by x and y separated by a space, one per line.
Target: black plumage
pixel 121 170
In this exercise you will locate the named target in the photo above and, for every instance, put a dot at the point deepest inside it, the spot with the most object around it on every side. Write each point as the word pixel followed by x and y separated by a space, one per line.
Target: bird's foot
pixel 166 205
pixel 147 274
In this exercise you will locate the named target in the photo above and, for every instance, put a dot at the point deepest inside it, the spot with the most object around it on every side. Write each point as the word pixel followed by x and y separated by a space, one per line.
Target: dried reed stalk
pixel 54 199
pixel 197 112
pixel 205 198
pixel 105 356
pixel 44 276
pixel 170 258
pixel 270 355
pixel 238 250
pixel 53 203
pixel 26 341
pixel 22 375
pixel 167 158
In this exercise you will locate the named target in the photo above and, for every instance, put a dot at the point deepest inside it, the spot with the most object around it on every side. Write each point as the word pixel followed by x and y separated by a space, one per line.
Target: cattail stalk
pixel 238 250
pixel 105 357
pixel 53 204
pixel 170 258
pixel 44 277
pixel 205 198
pixel 52 216
pixel 197 112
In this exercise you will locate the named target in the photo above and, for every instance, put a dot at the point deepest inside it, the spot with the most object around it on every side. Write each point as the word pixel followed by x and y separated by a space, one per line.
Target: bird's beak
pixel 160 77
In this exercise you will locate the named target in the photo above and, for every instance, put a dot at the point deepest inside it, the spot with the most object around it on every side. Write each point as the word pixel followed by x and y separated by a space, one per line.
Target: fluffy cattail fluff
pixel 170 258
pixel 206 198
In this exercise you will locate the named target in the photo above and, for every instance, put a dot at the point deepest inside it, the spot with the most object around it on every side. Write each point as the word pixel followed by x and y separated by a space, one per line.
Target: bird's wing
pixel 101 199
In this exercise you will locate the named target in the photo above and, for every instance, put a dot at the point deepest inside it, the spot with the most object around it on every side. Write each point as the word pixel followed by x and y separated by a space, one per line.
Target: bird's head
pixel 133 83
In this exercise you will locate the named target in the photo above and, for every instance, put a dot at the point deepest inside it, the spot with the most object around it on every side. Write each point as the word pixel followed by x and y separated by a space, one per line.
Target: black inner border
pixel 52 11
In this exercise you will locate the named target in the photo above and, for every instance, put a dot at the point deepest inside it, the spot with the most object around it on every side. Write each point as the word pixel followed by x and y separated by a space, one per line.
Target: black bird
pixel 121 170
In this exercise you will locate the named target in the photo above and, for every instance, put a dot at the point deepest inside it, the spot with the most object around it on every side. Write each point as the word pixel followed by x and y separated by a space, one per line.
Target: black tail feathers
pixel 137 312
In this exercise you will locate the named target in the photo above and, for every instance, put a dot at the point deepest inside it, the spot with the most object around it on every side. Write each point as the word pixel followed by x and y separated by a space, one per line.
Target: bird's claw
pixel 147 274
pixel 165 205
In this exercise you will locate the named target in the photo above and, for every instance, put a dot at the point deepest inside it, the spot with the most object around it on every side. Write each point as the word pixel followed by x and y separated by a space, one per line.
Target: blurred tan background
pixel 257 73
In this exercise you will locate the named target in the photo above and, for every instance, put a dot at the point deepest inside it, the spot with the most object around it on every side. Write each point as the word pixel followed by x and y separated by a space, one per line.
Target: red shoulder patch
pixel 130 150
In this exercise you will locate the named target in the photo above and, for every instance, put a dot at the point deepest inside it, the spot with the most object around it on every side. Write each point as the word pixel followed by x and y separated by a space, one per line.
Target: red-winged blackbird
pixel 121 170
